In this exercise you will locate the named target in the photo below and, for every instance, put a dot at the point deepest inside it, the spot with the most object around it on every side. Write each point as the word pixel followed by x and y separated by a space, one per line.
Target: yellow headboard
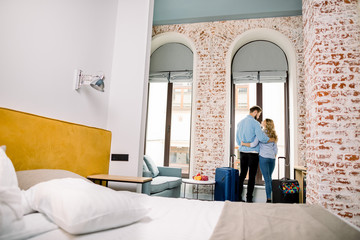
pixel 35 142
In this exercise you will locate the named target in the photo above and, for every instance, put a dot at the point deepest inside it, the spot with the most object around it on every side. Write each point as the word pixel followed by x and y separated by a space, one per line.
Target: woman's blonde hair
pixel 270 129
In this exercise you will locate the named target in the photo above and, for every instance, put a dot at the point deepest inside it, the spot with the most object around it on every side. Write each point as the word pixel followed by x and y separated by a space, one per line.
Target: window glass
pixel 245 97
pixel 274 108
pixel 180 126
pixel 155 131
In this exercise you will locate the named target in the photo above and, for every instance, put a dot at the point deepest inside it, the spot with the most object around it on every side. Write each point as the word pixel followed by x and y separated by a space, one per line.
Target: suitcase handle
pixel 286 165
pixel 232 160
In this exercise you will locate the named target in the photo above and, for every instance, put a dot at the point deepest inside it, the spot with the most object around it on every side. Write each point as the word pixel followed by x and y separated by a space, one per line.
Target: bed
pixel 56 201
pixel 143 217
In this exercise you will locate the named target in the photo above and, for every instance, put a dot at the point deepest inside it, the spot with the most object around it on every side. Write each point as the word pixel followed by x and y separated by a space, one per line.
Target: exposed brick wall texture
pixel 212 41
pixel 332 92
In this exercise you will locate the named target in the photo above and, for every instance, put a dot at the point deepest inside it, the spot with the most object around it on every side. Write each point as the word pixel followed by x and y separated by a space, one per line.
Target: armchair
pixel 166 180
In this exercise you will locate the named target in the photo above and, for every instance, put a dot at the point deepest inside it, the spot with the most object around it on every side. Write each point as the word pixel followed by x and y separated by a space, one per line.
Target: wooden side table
pixel 300 173
pixel 116 178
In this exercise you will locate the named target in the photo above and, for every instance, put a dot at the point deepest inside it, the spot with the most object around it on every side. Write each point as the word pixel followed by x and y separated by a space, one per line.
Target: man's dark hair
pixel 255 108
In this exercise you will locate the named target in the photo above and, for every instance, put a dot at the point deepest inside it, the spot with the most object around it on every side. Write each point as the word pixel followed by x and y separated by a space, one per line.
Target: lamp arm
pixel 87 79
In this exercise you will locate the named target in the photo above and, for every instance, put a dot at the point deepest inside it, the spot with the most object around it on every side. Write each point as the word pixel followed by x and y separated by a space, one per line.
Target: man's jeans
pixel 248 161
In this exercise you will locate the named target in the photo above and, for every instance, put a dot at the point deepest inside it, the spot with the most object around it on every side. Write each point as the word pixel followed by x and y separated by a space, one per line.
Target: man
pixel 247 130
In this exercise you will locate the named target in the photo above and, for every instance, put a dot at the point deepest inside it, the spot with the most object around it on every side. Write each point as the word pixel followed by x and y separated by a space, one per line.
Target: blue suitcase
pixel 226 184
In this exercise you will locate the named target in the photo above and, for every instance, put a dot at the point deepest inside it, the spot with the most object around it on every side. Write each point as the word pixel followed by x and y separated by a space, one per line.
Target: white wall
pixel 42 42
pixel 128 93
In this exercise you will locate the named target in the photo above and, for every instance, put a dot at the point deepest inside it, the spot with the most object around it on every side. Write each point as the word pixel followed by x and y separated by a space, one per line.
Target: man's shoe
pixel 268 201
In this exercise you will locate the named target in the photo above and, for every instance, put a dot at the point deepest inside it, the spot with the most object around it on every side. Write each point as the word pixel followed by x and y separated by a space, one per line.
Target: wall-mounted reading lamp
pixel 95 81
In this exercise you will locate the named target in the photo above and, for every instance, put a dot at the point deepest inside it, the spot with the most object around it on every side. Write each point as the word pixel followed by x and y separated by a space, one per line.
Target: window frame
pixel 167 138
pixel 259 101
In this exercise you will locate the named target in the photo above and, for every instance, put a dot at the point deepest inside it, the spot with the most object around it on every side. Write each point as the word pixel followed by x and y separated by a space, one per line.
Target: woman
pixel 267 154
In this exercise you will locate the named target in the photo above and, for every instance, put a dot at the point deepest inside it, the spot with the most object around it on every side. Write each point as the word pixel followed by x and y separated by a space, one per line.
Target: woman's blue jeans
pixel 267 166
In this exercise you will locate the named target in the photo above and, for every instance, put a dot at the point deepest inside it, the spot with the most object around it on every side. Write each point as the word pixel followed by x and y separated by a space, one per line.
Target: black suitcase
pixel 226 184
pixel 285 190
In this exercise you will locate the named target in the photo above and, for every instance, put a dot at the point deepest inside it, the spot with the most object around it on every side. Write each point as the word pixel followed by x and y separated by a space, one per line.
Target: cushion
pixel 29 178
pixel 174 182
pixel 162 183
pixel 11 211
pixel 78 206
pixel 151 165
pixel 158 184
pixel 145 168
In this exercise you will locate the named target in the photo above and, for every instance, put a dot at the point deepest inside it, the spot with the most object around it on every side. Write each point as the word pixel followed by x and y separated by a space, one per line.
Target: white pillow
pixel 31 225
pixel 81 207
pixel 10 208
pixel 11 211
pixel 25 204
pixel 8 176
pixel 9 185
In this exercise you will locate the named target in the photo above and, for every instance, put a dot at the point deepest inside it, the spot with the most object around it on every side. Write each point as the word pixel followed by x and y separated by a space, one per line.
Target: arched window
pixel 259 77
pixel 167 138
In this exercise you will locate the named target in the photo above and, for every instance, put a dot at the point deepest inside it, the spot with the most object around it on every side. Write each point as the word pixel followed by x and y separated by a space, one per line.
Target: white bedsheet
pixel 168 219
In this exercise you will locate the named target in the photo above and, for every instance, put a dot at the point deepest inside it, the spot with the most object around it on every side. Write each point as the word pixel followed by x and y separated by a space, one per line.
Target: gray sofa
pixel 166 180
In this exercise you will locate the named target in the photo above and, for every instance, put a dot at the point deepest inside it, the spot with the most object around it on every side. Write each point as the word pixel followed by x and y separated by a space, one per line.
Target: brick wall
pixel 332 92
pixel 328 96
pixel 212 41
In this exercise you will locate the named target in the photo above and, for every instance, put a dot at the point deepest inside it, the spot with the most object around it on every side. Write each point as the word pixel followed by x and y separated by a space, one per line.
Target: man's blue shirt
pixel 247 130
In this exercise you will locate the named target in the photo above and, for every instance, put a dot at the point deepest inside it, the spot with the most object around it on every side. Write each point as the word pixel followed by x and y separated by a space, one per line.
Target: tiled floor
pixel 259 194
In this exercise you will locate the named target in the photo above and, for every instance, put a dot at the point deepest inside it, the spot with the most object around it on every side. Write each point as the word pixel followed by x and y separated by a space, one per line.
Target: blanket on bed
pixel 242 221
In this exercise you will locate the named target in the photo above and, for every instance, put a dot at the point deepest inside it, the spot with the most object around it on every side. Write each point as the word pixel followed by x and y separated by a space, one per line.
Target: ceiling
pixel 168 12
